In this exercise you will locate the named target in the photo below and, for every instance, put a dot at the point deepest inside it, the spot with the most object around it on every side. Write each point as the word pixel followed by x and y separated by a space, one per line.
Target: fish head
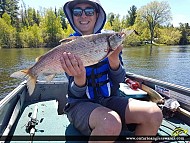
pixel 116 39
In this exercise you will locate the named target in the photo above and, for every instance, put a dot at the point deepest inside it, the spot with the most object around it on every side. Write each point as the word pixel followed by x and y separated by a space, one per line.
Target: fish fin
pixel 38 58
pixel 20 74
pixel 31 82
pixel 49 77
pixel 68 39
pixel 129 32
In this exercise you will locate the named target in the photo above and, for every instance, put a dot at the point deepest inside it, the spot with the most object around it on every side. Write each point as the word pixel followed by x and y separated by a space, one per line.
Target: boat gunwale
pixel 171 85
pixel 12 94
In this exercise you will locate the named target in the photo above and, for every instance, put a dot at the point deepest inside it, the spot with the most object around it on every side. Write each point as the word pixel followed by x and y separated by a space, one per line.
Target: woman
pixel 94 105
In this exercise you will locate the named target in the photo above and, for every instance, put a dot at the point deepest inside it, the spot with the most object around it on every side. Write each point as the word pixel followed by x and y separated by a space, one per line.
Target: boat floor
pixel 50 124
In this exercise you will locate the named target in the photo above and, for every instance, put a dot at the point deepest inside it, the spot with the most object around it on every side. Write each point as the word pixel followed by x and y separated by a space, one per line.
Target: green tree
pixel 132 40
pixel 61 14
pixel 11 8
pixel 31 36
pixel 108 26
pixel 67 31
pixel 36 39
pixel 7 32
pixel 24 36
pixel 114 21
pixel 132 15
pixel 110 18
pixel 124 22
pixel 23 19
pixel 53 31
pixel 142 28
pixel 23 14
pixel 185 38
pixel 36 17
pixel 29 16
pixel 6 18
pixel 169 36
pixel 2 7
pixel 116 25
pixel 155 13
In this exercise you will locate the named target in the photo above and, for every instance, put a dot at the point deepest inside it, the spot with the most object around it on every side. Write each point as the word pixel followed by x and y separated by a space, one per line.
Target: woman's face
pixel 85 23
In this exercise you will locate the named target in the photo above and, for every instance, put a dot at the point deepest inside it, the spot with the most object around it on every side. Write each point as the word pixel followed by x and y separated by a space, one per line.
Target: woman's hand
pixel 73 66
pixel 114 58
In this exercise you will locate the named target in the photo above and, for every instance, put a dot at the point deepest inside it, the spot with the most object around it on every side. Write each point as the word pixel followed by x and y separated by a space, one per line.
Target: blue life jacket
pixel 98 82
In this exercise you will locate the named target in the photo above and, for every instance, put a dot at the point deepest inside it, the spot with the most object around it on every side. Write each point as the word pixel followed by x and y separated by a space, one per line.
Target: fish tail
pixel 31 81
pixel 20 74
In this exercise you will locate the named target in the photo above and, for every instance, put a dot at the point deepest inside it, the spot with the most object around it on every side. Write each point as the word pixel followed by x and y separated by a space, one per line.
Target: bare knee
pixel 143 112
pixel 147 116
pixel 106 123
pixel 112 124
pixel 154 115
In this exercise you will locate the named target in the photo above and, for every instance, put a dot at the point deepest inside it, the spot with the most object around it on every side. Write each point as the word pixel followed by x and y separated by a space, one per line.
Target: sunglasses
pixel 89 11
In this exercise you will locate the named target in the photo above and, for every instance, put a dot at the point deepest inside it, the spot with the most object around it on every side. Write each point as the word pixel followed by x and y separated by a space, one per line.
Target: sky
pixel 180 9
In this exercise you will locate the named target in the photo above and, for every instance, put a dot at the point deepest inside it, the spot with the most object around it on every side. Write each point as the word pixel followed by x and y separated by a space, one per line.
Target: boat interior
pixel 46 105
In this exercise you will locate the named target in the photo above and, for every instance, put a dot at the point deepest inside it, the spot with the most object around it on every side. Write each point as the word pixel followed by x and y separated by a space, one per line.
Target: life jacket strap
pixel 98 75
pixel 98 84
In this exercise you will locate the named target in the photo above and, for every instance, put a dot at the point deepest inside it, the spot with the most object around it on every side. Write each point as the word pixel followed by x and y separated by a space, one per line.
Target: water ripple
pixel 170 64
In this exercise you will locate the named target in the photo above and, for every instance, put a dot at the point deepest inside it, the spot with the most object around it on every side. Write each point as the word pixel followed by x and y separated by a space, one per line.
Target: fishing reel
pixel 31 125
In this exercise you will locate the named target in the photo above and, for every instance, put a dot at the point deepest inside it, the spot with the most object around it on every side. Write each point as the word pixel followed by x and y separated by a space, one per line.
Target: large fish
pixel 90 48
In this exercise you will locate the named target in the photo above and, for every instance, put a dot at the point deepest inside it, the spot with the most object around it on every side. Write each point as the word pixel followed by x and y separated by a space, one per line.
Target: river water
pixel 166 63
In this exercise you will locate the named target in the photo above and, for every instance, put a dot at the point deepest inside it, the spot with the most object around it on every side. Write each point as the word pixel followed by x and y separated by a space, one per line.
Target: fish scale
pixel 90 48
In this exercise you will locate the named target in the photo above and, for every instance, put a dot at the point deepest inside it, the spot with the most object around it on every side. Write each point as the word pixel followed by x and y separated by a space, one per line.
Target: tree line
pixel 22 27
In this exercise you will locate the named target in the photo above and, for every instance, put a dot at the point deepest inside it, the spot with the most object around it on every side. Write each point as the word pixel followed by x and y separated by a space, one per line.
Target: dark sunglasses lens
pixel 89 11
pixel 77 12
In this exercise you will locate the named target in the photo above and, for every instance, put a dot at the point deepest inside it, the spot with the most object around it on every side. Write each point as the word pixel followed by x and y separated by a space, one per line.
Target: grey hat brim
pixel 73 3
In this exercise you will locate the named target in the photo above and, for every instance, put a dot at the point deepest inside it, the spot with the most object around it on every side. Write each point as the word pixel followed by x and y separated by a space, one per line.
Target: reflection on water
pixel 171 64
pixel 12 60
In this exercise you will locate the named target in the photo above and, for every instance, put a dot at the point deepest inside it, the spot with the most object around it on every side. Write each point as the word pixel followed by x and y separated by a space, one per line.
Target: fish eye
pixel 118 35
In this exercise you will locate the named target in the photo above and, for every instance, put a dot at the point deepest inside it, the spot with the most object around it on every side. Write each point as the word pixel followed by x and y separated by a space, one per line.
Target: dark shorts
pixel 79 113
